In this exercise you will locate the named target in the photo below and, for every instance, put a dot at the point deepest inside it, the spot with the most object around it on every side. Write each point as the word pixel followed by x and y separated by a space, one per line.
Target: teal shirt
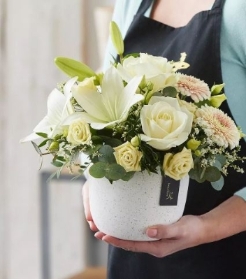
pixel 233 53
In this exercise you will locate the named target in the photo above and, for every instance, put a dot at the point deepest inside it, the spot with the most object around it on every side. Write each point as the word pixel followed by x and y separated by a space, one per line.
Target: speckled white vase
pixel 125 209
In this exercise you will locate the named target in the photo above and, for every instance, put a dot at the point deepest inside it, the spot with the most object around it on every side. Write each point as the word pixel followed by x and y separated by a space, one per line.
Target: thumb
pixel 172 231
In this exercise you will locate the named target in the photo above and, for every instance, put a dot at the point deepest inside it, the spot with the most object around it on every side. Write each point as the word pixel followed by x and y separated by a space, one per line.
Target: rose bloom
pixel 218 126
pixel 165 123
pixel 79 132
pixel 178 165
pixel 157 70
pixel 128 157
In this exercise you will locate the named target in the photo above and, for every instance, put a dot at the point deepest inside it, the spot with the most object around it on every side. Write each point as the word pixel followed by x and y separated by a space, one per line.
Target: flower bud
pixel 135 141
pixel 198 153
pixel 193 144
pixel 217 100
pixel 216 89
pixel 116 38
pixel 54 146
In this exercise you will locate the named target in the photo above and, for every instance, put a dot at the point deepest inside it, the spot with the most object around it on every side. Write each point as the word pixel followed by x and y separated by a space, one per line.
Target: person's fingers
pixel 85 194
pixel 88 216
pixel 99 235
pixel 172 231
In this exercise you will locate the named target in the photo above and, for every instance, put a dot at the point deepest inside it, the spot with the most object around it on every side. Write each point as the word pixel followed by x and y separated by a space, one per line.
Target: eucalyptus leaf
pixel 74 68
pixel 111 141
pixel 218 185
pixel 212 174
pixel 106 154
pixel 128 175
pixel 218 165
pixel 196 175
pixel 169 92
pixel 221 159
pixel 98 170
pixel 115 172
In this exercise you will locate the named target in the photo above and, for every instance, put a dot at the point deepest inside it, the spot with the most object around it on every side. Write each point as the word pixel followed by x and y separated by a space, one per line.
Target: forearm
pixel 227 219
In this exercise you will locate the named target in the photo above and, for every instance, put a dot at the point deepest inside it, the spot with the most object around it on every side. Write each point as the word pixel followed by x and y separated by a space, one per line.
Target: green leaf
pixel 111 141
pixel 36 148
pixel 217 164
pixel 43 143
pixel 169 92
pixel 218 185
pixel 42 135
pixel 212 174
pixel 106 154
pixel 98 170
pixel 57 164
pixel 221 159
pixel 196 175
pixel 128 175
pixel 74 68
pixel 115 172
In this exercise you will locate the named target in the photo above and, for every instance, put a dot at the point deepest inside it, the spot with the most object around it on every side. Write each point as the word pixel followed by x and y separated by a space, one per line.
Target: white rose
pixel 79 132
pixel 128 157
pixel 87 84
pixel 178 165
pixel 165 124
pixel 157 70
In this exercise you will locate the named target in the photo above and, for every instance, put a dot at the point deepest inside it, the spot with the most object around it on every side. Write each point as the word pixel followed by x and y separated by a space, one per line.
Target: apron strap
pixel 218 4
pixel 145 4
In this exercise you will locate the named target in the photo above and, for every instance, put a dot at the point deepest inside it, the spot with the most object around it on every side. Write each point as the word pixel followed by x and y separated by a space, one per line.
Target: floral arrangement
pixel 141 114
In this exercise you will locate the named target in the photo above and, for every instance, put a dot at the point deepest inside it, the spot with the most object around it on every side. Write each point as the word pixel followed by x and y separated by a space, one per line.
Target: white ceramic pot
pixel 126 209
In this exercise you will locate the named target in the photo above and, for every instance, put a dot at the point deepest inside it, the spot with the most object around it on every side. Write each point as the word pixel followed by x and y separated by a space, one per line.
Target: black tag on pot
pixel 169 191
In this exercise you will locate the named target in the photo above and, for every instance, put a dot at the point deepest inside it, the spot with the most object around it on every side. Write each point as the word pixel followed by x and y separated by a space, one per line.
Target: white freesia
pixel 157 70
pixel 110 105
pixel 59 108
pixel 165 123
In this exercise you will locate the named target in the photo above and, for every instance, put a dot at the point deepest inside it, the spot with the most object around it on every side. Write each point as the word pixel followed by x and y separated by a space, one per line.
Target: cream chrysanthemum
pixel 197 89
pixel 218 126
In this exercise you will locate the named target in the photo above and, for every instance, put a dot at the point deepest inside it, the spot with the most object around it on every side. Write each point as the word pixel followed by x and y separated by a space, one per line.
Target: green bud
pixel 135 141
pixel 216 89
pixel 65 132
pixel 54 146
pixel 74 68
pixel 193 144
pixel 116 38
pixel 217 100
pixel 198 153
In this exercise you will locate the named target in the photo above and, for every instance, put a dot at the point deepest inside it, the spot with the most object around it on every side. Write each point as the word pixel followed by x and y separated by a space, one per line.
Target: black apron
pixel 225 259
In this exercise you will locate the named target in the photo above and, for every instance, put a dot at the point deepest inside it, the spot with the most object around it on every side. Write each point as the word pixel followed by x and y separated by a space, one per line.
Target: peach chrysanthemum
pixel 218 126
pixel 197 89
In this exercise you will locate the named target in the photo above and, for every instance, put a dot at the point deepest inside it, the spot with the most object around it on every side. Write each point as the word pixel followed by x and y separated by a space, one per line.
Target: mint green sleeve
pixel 233 61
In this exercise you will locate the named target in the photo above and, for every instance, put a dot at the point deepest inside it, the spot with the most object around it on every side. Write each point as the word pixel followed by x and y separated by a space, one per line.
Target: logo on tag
pixel 169 191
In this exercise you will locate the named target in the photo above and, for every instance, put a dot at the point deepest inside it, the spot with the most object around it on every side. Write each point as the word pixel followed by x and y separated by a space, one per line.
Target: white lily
pixel 111 105
pixel 59 108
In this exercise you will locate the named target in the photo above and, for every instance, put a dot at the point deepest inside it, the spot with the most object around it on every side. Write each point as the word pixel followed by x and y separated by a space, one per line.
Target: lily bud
pixel 74 68
pixel 135 141
pixel 217 100
pixel 116 38
pixel 216 89
pixel 54 146
pixel 193 144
